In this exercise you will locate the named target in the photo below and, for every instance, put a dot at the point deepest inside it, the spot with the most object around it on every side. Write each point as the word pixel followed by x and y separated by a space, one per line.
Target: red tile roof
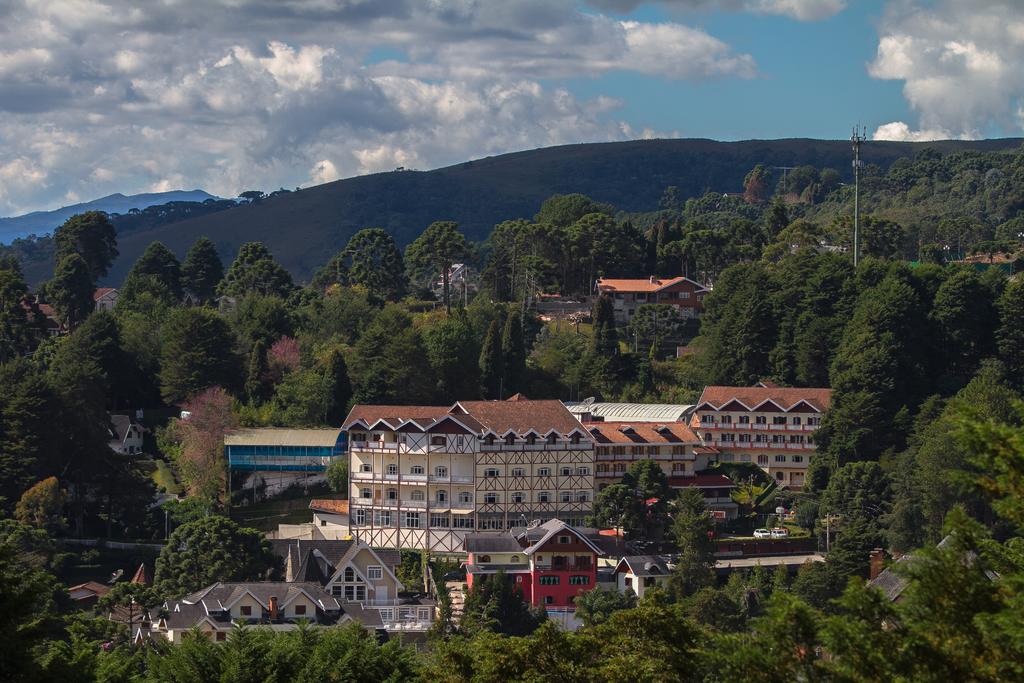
pixel 703 481
pixel 653 284
pixel 784 397
pixel 337 507
pixel 101 292
pixel 518 414
pixel 642 433
pixel 393 414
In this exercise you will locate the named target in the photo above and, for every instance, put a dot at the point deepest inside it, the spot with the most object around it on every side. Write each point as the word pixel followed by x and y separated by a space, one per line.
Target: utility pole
pixel 857 138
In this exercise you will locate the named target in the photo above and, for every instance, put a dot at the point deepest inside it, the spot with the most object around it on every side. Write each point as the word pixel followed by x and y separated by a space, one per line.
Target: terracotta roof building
pixel 764 424
pixel 425 476
pixel 629 294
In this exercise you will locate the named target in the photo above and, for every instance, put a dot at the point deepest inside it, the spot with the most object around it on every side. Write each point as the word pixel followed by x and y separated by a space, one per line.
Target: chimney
pixel 877 562
pixel 273 608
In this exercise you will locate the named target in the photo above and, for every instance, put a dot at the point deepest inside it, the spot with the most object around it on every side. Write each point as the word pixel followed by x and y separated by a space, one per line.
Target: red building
pixel 550 563
pixel 628 295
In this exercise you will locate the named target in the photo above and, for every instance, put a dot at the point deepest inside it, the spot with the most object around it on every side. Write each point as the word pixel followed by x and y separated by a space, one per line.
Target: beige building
pixel 425 476
pixel 772 427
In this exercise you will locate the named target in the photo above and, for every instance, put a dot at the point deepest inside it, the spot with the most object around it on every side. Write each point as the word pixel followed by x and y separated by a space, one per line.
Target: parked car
pixel 762 533
pixel 780 532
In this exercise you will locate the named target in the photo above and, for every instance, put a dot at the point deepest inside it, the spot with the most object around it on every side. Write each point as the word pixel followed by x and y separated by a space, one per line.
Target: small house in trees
pixel 640 573
pixel 105 298
pixel 629 294
pixel 125 435
pixel 549 563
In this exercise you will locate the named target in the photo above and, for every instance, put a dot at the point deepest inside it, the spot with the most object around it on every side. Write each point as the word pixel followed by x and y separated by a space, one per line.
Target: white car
pixel 780 532
pixel 762 533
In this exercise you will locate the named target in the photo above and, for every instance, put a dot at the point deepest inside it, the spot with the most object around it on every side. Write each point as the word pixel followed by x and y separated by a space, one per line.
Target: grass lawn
pixel 164 478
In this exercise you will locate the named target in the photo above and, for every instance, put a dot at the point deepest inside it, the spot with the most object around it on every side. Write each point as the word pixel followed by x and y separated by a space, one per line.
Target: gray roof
pixel 491 543
pixel 893 583
pixel 213 602
pixel 637 412
pixel 283 437
pixel 119 425
pixel 647 565
pixel 312 555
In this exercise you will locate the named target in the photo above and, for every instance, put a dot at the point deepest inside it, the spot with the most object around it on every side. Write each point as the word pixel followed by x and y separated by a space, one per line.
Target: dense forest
pixel 922 348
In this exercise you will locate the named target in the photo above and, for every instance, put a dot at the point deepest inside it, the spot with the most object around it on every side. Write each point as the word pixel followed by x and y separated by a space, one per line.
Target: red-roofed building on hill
pixel 672 445
pixel 550 563
pixel 770 426
pixel 425 476
pixel 628 295
pixel 105 298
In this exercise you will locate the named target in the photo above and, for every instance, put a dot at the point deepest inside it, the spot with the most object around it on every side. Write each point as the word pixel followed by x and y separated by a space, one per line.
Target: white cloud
pixel 899 131
pixel 99 95
pixel 802 10
pixel 960 63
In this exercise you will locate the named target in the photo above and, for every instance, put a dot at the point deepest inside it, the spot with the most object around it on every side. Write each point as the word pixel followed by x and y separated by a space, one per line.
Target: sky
pixel 103 96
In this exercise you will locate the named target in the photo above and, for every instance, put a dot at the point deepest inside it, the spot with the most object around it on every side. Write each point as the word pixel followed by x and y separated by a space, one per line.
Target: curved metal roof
pixel 637 412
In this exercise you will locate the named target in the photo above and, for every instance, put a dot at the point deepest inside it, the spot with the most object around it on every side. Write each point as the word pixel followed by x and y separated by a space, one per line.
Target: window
pixel 602 467
pixel 552 438
pixel 517 497
pixel 575 438
pixel 544 472
pixel 350 575
pixel 796 438
pixel 441 471
pixel 727 419
pixel 489 439
pixel 777 438
pixel 440 521
pixel 549 600
pixel 761 419
pixel 679 450
pixel 679 467
pixel 518 472
pixel 814 421
pixel 360 516
pixel 566 471
pixel 392 494
pixel 416 469
pixel 463 523
pixel 412 520
pixel 795 420
pixel 392 469
pixel 382 518
pixel 762 460
pixel 582 496
pixel 490 498
pixel 707 419
pixel 780 475
pixel 728 437
pixel 300 610
pixel 387 615
pixel 437 440
pixel 637 450
pixel 358 436
pixel 491 472
pixel 618 450
pixel 246 611
pixel 652 451
pixel 323 522
pixel 366 467
pixel 355 593
pixel 779 420
pixel 565 539
pixel 566 497
pixel 797 458
pixel 544 497
pixel 780 458
pixel 531 439
pixel 365 493
pixel 510 440
pixel 374 572
pixel 221 636
pixel 583 471
pixel 465 497
pixel 442 496
pixel 744 419
pixel 549 580
pixel 515 559
pixel 460 440
pixel 620 467
pixel 745 438
pixel 579 580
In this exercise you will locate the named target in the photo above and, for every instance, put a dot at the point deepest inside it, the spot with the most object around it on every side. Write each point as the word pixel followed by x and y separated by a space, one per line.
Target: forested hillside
pixel 300 227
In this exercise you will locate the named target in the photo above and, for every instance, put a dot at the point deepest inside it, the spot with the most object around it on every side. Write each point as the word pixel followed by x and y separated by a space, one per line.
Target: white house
pixel 125 435
pixel 642 572
pixel 105 298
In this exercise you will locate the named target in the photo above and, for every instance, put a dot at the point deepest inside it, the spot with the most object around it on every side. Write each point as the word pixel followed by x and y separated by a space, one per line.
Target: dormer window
pixel 575 438
pixel 484 559
pixel 531 439
pixel 489 439
pixel 510 440
pixel 552 438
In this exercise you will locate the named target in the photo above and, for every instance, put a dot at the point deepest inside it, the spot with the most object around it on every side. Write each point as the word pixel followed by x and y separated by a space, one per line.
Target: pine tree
pixel 254 382
pixel 605 339
pixel 202 270
pixel 341 387
pixel 491 363
pixel 255 270
pixel 197 352
pixel 1010 334
pixel 513 354
pixel 92 237
pixel 157 272
pixel 70 290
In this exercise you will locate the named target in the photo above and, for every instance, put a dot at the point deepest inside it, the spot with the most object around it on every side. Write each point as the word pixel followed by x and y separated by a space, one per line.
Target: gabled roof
pixel 641 433
pixel 283 437
pixel 644 565
pixel 334 507
pixel 102 292
pixel 786 398
pixel 650 284
pixel 550 529
pixel 366 415
pixel 522 415
pixel 119 426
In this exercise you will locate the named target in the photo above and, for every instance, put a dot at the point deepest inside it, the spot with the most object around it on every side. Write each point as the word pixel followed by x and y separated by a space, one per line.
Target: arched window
pixel 350 574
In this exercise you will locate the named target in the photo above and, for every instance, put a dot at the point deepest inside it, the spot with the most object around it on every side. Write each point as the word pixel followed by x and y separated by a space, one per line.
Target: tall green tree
pixel 255 270
pixel 91 236
pixel 209 550
pixel 513 353
pixel 691 527
pixel 965 318
pixel 372 260
pixel 71 290
pixel 156 265
pixel 434 252
pixel 449 342
pixel 605 339
pixel 491 363
pixel 496 604
pixel 738 328
pixel 388 361
pixel 1010 333
pixel 198 351
pixel 255 381
pixel 18 334
pixel 202 270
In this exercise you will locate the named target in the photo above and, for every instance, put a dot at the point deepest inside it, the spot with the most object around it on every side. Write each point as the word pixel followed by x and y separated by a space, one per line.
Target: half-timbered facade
pixel 425 476
pixel 772 427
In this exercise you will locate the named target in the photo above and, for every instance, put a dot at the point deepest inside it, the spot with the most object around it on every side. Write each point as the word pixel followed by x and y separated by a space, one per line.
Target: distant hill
pixel 43 222
pixel 304 228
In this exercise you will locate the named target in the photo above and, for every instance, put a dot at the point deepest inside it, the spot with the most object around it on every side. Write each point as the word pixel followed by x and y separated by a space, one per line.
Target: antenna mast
pixel 858 137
